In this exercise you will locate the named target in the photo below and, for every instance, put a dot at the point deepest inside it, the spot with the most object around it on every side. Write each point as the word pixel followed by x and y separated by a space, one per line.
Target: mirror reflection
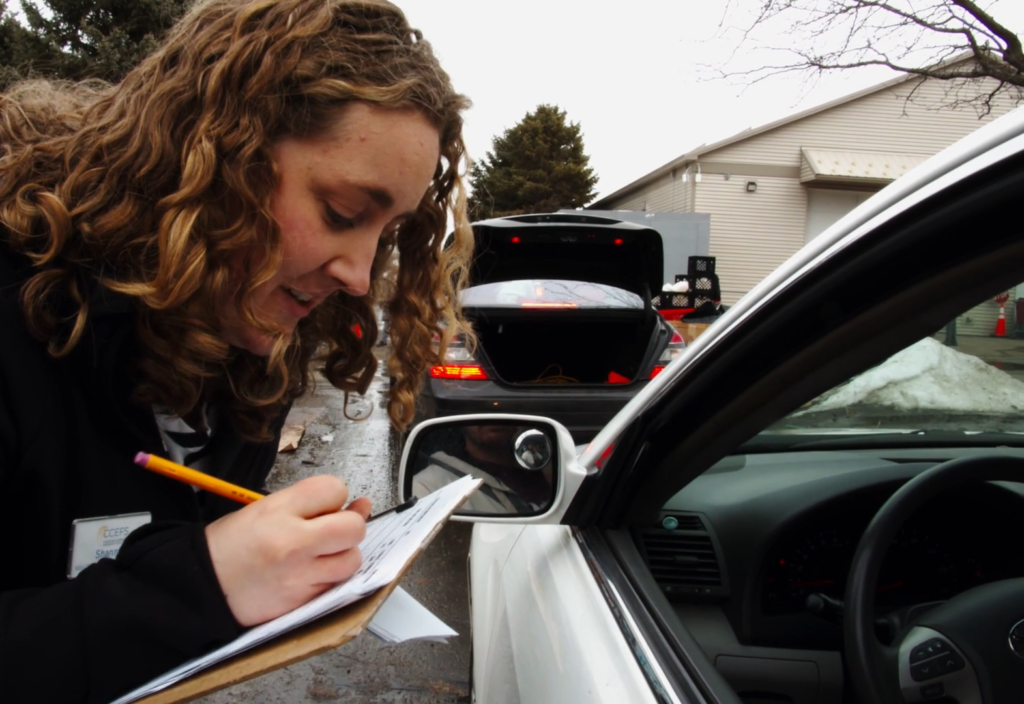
pixel 515 461
pixel 532 449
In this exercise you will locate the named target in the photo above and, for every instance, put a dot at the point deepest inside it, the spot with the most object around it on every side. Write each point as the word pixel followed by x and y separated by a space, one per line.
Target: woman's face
pixel 336 195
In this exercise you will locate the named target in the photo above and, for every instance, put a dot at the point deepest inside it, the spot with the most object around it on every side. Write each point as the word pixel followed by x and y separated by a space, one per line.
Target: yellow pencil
pixel 191 476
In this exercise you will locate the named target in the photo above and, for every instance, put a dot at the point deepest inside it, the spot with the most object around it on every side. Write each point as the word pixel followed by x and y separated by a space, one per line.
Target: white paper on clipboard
pixel 390 542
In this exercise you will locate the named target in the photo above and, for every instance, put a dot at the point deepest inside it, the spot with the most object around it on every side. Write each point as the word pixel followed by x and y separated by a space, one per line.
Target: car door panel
pixel 548 633
pixel 491 544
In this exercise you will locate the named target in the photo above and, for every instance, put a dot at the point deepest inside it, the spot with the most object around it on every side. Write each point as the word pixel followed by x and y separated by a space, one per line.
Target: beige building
pixel 771 189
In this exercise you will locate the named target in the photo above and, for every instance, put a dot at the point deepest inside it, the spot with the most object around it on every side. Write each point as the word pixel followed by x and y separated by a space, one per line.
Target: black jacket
pixel 68 436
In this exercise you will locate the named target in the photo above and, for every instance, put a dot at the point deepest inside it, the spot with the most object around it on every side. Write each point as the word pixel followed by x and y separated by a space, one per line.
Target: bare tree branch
pixel 1014 53
pixel 915 37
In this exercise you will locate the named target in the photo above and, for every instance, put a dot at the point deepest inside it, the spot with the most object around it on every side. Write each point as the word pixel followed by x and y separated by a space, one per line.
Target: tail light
pixel 458 362
pixel 458 371
pixel 675 348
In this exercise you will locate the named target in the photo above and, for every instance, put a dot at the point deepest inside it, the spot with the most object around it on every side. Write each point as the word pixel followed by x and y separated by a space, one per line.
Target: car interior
pixel 574 349
pixel 763 595
pixel 783 536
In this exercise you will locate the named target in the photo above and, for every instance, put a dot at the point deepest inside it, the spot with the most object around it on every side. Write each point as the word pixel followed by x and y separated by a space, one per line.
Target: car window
pixel 966 377
pixel 553 293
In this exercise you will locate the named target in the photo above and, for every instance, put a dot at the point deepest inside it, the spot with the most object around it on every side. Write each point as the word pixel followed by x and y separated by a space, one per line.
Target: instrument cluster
pixel 947 547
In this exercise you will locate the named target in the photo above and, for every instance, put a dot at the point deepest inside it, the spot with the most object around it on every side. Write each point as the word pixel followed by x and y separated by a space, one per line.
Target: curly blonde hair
pixel 148 188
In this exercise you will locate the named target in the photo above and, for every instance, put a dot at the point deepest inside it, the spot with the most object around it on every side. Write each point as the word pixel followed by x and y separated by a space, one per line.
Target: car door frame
pixel 756 365
pixel 819 328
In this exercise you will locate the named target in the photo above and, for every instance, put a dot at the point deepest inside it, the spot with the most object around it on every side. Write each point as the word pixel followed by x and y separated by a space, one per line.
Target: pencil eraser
pixel 142 459
pixel 407 505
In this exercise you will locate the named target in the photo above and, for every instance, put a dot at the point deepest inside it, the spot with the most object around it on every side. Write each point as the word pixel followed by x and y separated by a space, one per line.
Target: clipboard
pixel 325 633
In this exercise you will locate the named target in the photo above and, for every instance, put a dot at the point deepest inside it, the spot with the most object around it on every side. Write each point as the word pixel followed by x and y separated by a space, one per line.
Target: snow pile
pixel 928 376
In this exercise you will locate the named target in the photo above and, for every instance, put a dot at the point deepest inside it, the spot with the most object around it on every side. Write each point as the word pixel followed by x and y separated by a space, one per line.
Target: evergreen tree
pixel 77 39
pixel 537 166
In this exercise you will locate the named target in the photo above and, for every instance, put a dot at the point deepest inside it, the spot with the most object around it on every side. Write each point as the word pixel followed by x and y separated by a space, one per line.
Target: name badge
pixel 92 539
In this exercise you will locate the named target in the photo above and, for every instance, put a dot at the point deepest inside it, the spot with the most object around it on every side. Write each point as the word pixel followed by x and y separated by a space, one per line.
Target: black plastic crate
pixel 670 301
pixel 699 266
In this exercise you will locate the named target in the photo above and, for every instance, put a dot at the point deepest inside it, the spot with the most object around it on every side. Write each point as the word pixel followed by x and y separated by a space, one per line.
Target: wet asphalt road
pixel 366 669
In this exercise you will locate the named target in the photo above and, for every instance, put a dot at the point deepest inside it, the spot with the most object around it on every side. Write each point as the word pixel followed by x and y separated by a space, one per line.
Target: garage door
pixel 825 206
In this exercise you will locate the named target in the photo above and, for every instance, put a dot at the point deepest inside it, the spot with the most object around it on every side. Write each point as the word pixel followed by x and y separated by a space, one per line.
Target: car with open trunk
pixel 562 309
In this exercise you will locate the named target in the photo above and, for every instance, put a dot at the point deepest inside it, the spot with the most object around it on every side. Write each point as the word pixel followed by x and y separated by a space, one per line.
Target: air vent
pixel 686 521
pixel 683 560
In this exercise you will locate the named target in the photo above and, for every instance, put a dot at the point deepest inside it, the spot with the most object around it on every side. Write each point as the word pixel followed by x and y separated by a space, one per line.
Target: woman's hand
pixel 279 552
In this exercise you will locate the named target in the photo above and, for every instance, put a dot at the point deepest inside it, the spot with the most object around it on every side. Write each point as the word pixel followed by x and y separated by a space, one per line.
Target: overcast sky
pixel 636 79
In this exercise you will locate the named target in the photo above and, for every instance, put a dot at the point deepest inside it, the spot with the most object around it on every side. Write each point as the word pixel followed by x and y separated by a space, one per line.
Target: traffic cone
pixel 1001 323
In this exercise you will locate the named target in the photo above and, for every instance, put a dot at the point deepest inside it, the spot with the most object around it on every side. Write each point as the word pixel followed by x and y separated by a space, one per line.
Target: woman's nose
pixel 352 263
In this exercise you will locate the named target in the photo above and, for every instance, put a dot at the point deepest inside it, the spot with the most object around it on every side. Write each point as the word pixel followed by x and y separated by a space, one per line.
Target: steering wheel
pixel 970 648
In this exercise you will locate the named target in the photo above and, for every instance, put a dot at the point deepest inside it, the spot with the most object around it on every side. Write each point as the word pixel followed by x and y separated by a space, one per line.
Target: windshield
pixel 549 293
pixel 965 378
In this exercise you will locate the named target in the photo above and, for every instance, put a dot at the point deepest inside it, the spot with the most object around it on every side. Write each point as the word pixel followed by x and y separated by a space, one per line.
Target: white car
pixel 816 502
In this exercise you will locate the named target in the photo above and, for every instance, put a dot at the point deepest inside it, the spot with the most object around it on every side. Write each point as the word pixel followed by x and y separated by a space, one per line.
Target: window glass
pixel 966 377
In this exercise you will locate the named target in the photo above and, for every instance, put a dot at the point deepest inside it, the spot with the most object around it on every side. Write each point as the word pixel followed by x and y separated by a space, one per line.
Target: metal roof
pixel 834 165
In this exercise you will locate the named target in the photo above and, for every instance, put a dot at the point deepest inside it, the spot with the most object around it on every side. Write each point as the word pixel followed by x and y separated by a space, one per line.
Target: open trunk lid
pixel 568 246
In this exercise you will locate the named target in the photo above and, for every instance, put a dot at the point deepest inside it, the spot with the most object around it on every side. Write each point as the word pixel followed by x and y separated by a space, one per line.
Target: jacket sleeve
pixel 117 625
pixel 120 622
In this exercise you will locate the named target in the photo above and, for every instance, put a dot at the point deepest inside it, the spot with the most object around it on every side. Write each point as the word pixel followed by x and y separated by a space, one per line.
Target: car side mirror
pixel 527 463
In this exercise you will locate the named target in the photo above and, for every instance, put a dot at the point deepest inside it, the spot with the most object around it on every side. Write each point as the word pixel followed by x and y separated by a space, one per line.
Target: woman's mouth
pixel 298 304
pixel 300 296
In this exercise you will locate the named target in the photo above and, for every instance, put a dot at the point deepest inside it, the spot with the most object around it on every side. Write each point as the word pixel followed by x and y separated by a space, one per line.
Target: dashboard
pixel 952 544
pixel 786 525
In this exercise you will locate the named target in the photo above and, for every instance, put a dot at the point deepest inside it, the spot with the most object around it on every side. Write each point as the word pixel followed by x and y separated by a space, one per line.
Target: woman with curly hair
pixel 174 250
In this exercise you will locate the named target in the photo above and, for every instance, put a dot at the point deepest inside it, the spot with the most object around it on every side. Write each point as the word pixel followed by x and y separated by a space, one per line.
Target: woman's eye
pixel 337 220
